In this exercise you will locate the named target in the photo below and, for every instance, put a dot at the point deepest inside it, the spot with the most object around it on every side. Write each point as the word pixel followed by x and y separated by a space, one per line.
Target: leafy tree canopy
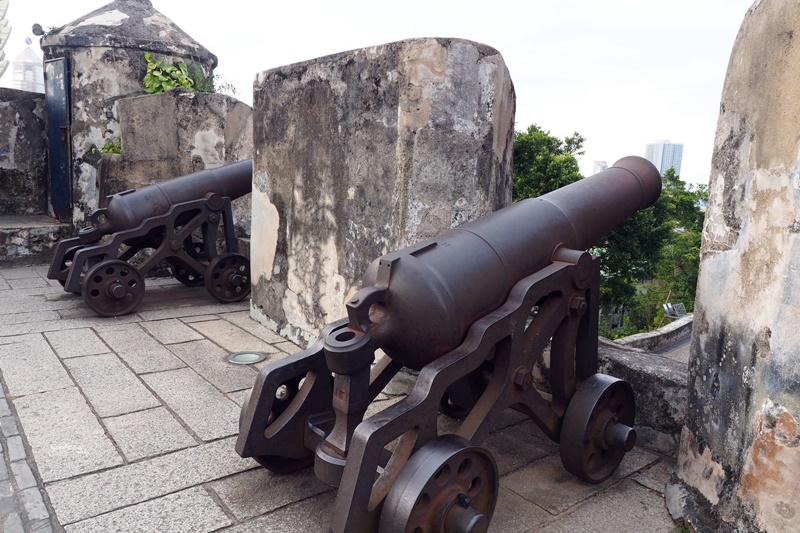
pixel 544 163
pixel 653 256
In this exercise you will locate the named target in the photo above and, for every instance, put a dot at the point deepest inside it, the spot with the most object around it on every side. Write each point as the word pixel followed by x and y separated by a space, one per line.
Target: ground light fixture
pixel 246 358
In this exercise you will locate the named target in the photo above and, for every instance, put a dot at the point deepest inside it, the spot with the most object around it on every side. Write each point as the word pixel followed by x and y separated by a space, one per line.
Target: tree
pixel 672 273
pixel 629 254
pixel 679 263
pixel 544 163
pixel 655 253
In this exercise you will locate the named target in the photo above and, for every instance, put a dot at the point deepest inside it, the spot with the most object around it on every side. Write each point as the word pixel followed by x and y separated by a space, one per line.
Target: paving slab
pixel 552 488
pixel 95 494
pixel 15 339
pixel 288 347
pixel 30 366
pixel 64 435
pixel 16 448
pixel 188 511
pixel 308 516
pixel 27 283
pixel 259 491
pixel 34 504
pixel 208 360
pixel 655 476
pixel 19 273
pixel 139 350
pixel 23 317
pixel 7 500
pixel 13 524
pixel 514 513
pixel 97 323
pixel 242 319
pixel 190 310
pixel 516 447
pixel 111 388
pixel 239 397
pixel 23 475
pixel 148 433
pixel 76 342
pixel 201 318
pixel 626 508
pixel 208 412
pixel 8 426
pixel 232 338
pixel 171 331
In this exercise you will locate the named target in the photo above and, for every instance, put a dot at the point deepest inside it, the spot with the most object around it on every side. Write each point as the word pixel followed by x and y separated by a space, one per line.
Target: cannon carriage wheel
pixel 112 288
pixel 447 485
pixel 597 429
pixel 227 277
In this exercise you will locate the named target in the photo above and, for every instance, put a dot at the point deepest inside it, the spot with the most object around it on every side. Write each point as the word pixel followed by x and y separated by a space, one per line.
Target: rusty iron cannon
pixel 473 310
pixel 176 221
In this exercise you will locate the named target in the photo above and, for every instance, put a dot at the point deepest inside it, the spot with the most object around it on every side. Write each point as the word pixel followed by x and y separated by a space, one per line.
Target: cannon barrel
pixel 126 210
pixel 418 303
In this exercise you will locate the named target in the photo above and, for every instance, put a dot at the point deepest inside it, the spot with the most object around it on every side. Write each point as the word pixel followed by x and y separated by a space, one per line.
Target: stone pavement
pixel 128 424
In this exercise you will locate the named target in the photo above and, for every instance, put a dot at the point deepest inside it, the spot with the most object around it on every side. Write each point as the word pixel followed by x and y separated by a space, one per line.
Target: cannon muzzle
pixel 419 302
pixel 126 210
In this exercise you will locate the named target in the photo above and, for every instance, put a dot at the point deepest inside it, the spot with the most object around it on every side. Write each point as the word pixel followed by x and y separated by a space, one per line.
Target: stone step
pixel 30 239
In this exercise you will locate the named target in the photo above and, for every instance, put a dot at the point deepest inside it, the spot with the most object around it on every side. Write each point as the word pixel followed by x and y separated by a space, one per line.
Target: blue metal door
pixel 56 75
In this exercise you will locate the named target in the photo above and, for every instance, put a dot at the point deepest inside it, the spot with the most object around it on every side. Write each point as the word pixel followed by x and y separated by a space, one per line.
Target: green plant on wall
pixel 112 147
pixel 161 77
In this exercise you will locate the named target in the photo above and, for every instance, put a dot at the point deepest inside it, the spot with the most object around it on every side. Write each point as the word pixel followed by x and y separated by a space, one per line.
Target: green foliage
pixel 544 163
pixel 160 77
pixel 202 83
pixel 649 259
pixel 112 147
pixel 673 271
pixel 629 253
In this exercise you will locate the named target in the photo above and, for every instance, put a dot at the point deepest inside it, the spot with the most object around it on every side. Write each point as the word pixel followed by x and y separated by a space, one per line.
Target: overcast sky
pixel 623 73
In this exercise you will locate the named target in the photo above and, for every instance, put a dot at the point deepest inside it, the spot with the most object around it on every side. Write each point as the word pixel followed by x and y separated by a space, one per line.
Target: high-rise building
pixel 599 166
pixel 665 155
pixel 28 71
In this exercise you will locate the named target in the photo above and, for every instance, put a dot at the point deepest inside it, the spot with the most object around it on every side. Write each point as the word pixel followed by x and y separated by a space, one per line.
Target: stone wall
pixel 176 133
pixel 23 153
pixel 663 336
pixel 740 455
pixel 105 52
pixel 364 152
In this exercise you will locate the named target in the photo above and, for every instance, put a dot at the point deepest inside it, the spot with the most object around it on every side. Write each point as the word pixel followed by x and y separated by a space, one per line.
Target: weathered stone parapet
pixel 740 460
pixel 23 153
pixel 663 336
pixel 176 133
pixel 365 152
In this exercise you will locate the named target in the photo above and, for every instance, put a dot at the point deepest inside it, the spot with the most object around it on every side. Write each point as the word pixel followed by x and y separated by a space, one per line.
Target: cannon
pixel 474 310
pixel 177 221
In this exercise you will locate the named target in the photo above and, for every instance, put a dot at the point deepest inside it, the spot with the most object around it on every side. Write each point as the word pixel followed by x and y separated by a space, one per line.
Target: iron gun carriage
pixel 178 221
pixel 472 310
